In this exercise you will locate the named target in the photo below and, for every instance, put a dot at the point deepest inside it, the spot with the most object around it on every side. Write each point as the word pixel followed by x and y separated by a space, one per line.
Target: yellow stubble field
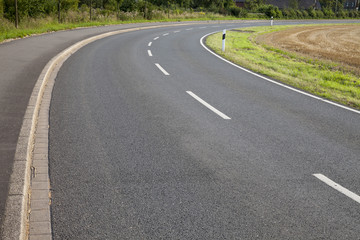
pixel 339 43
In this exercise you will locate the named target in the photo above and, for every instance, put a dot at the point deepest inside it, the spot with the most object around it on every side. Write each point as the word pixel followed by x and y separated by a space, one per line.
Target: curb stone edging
pixel 27 209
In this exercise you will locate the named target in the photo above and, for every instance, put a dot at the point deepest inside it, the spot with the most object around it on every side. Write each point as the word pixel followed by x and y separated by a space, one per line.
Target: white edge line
pixel 150 43
pixel 337 187
pixel 208 105
pixel 150 54
pixel 272 81
pixel 156 38
pixel 162 69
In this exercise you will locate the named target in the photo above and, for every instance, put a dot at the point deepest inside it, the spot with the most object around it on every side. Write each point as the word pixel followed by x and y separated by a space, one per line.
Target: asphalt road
pixel 134 154
pixel 21 62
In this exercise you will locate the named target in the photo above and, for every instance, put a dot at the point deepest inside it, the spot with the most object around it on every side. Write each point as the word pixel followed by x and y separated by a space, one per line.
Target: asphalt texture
pixel 133 156
pixel 21 62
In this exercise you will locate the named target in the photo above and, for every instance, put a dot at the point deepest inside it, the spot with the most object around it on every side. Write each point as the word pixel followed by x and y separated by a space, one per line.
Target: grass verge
pixel 39 26
pixel 322 78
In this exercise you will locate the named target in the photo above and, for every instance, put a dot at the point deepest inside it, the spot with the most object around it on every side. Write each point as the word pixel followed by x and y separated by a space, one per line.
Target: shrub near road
pixel 331 78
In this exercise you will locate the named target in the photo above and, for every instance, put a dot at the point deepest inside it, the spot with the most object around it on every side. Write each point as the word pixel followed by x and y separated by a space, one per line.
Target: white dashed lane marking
pixel 162 69
pixel 208 105
pixel 338 187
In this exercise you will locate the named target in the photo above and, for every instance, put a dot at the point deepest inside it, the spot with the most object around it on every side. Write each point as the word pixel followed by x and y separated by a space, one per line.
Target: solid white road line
pixel 150 54
pixel 208 105
pixel 156 38
pixel 150 43
pixel 272 81
pixel 338 187
pixel 165 34
pixel 161 69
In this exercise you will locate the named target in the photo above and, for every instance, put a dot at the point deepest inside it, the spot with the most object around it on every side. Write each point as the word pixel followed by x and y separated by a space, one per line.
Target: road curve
pixel 21 63
pixel 152 137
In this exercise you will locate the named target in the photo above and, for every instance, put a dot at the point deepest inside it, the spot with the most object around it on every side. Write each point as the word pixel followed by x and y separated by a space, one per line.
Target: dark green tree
pixel 128 5
pixel 294 4
pixel 2 8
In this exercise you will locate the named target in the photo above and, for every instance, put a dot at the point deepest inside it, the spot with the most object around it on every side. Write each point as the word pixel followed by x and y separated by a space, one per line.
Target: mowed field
pixel 339 43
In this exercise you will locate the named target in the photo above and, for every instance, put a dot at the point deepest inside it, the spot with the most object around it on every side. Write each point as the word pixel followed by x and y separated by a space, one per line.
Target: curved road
pixel 152 137
pixel 21 63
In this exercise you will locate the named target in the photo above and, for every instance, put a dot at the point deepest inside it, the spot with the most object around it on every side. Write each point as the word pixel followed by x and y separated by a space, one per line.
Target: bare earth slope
pixel 340 43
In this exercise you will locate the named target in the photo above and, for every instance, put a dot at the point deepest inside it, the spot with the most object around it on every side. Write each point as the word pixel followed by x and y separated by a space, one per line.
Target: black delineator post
pixel 223 40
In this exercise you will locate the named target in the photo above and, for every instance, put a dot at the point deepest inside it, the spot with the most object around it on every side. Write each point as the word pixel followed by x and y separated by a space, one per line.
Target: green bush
pixel 278 13
pixel 270 11
pixel 286 13
pixel 235 11
pixel 305 14
pixel 238 12
pixel 312 13
pixel 128 6
pixel 243 13
pixel 341 14
pixel 319 14
pixel 299 14
pixel 354 14
pixel 328 13
pixel 213 8
pixel 293 13
pixel 146 8
pixel 84 8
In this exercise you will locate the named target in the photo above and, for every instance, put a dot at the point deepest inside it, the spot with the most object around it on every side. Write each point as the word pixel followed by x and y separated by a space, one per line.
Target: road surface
pixel 21 63
pixel 153 137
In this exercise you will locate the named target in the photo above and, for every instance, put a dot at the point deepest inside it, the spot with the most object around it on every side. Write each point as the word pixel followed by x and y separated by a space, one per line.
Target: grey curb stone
pixel 40 163
pixel 39 204
pixel 39 185
pixel 40 228
pixel 41 237
pixel 41 178
pixel 41 215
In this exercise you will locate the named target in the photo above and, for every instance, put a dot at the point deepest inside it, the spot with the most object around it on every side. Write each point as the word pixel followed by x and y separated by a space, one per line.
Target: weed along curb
pixel 27 210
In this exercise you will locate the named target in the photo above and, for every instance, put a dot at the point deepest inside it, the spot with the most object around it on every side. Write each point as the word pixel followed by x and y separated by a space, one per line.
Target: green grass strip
pixel 45 25
pixel 322 78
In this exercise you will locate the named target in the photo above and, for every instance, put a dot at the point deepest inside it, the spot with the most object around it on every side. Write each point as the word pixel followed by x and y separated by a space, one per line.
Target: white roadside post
pixel 223 40
pixel 272 21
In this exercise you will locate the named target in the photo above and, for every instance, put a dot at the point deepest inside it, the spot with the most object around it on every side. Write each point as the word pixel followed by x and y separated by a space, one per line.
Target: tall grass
pixel 75 19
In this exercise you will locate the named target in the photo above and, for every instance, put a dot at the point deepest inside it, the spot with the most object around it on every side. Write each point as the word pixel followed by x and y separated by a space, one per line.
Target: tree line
pixel 87 10
pixel 41 8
